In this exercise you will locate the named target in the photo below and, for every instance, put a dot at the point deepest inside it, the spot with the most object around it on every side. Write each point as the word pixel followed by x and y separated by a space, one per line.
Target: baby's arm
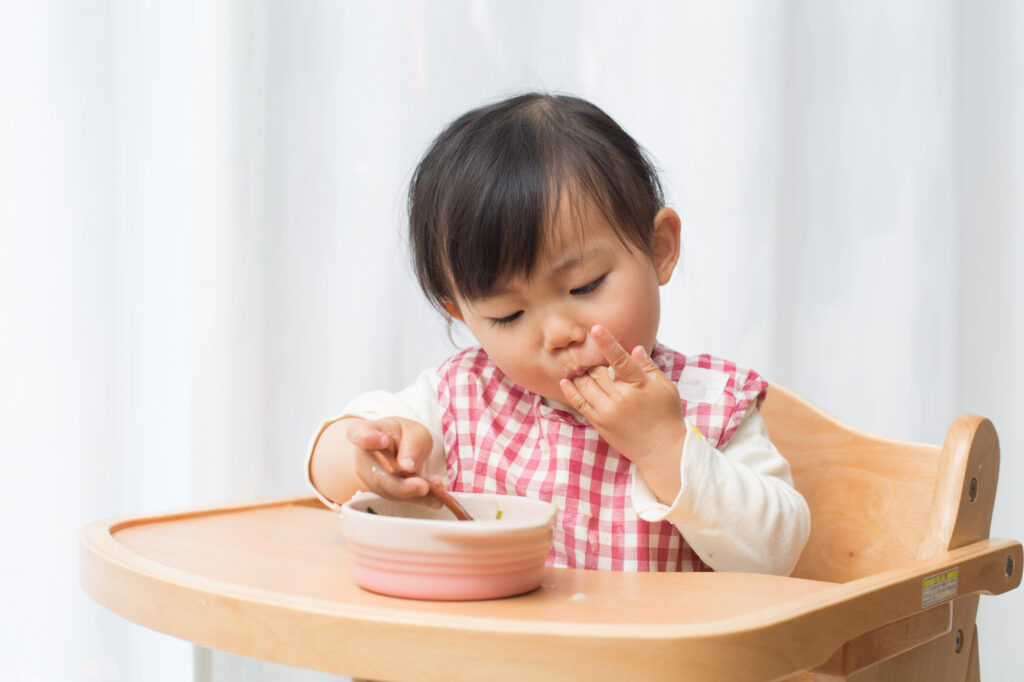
pixel 736 507
pixel 407 424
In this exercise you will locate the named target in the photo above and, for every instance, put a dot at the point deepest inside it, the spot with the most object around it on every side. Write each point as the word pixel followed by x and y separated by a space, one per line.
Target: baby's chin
pixel 554 395
pixel 547 386
pixel 547 390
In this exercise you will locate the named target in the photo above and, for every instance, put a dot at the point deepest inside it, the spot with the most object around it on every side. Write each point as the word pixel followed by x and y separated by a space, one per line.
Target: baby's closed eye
pixel 507 320
pixel 589 287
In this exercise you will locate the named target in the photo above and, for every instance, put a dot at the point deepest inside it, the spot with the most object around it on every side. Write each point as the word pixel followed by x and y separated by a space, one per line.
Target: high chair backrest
pixel 878 503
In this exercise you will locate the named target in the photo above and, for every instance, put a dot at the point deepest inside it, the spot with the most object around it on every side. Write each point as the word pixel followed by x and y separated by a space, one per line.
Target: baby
pixel 540 225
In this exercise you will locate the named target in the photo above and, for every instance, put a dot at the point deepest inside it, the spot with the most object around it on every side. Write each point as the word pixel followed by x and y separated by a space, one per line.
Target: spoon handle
pixel 391 466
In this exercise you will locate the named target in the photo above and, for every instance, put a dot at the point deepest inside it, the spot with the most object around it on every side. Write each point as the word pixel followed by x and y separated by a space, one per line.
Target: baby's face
pixel 537 329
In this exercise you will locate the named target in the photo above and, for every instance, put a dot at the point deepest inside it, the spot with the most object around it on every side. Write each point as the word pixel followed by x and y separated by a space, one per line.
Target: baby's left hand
pixel 631 403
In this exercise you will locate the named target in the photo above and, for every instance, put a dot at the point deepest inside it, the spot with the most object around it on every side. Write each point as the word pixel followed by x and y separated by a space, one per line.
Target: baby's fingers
pixel 414 447
pixel 573 395
pixel 620 363
pixel 410 443
pixel 377 479
pixel 369 436
pixel 644 361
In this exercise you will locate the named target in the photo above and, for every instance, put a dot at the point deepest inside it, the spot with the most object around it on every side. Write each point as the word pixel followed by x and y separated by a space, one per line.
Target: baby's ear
pixel 453 310
pixel 666 243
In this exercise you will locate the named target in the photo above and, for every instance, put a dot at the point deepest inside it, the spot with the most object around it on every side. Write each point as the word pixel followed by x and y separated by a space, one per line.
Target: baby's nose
pixel 562 331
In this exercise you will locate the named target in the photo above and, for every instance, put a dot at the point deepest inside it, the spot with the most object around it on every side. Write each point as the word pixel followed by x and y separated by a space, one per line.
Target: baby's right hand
pixel 408 441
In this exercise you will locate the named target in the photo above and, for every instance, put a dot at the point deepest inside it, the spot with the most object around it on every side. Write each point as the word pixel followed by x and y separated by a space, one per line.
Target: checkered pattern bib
pixel 502 438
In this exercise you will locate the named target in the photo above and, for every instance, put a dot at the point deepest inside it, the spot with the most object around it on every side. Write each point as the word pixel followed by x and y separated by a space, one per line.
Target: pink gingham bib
pixel 502 438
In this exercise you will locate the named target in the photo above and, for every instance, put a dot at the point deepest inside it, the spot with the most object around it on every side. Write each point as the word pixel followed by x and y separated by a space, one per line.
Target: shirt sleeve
pixel 737 507
pixel 417 402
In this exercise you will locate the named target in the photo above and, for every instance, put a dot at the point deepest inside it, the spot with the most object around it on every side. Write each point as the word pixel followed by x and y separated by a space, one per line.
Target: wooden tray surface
pixel 272 580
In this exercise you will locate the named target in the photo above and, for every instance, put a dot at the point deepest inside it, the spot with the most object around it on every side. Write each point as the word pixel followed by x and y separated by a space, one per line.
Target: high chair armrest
pixel 849 611
pixel 891 640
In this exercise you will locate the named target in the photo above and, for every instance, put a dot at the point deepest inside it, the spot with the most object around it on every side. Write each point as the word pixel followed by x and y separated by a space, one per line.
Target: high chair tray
pixel 272 580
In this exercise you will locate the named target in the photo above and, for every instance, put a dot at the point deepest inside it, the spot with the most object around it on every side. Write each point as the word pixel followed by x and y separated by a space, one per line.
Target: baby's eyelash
pixel 507 320
pixel 588 288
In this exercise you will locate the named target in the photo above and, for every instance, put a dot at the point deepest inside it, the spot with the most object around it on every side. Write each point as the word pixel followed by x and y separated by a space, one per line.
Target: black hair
pixel 485 192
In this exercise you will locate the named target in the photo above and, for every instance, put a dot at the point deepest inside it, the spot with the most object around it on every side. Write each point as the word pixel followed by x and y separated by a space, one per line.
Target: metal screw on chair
pixel 973 490
pixel 959 640
pixel 1009 566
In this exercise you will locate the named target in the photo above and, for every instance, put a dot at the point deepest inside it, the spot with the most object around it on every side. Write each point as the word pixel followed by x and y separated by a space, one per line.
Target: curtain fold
pixel 202 251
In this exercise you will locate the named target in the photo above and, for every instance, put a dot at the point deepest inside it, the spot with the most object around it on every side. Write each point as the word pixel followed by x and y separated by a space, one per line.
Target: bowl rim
pixel 475 527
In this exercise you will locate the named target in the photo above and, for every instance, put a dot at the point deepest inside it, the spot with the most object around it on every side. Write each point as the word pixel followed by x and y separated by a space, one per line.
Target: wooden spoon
pixel 391 466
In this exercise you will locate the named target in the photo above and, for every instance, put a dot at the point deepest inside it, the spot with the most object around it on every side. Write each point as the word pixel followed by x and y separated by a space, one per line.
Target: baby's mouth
pixel 572 373
pixel 579 362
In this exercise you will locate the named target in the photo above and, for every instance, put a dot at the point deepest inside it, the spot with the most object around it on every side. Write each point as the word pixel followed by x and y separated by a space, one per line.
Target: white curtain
pixel 201 250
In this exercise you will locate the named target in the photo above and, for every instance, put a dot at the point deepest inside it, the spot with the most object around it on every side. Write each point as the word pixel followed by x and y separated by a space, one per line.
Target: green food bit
pixel 369 510
pixel 499 515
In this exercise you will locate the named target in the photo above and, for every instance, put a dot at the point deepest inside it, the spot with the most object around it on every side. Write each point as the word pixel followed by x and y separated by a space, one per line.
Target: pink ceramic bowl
pixel 406 549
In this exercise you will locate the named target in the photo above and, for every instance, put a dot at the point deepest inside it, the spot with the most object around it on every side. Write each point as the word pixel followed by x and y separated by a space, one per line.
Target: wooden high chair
pixel 887 588
pixel 880 507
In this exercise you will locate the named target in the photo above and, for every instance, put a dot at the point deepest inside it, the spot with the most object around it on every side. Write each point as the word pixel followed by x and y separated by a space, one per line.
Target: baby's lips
pixel 572 373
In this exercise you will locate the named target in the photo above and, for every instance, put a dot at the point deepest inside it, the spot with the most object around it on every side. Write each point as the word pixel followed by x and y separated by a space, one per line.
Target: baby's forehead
pixel 581 224
pixel 575 220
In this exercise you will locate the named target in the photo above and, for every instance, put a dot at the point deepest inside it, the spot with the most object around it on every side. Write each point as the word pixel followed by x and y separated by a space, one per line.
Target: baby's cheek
pixel 633 328
pixel 521 371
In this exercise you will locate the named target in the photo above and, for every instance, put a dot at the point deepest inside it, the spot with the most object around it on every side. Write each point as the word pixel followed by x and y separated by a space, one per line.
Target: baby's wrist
pixel 663 457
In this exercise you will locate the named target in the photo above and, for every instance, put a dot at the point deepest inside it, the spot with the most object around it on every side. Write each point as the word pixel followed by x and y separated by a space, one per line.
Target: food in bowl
pixel 407 549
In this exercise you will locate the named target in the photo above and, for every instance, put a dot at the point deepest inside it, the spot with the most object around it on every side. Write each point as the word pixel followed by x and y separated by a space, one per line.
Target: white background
pixel 201 251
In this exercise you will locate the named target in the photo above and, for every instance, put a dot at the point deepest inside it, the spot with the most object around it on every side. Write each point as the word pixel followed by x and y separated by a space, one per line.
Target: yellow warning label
pixel 939 587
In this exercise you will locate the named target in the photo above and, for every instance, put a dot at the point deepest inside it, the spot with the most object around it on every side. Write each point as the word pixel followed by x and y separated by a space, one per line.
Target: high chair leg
pixel 973 665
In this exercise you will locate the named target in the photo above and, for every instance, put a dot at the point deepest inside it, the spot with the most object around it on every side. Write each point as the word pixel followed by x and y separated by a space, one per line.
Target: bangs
pixel 498 213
